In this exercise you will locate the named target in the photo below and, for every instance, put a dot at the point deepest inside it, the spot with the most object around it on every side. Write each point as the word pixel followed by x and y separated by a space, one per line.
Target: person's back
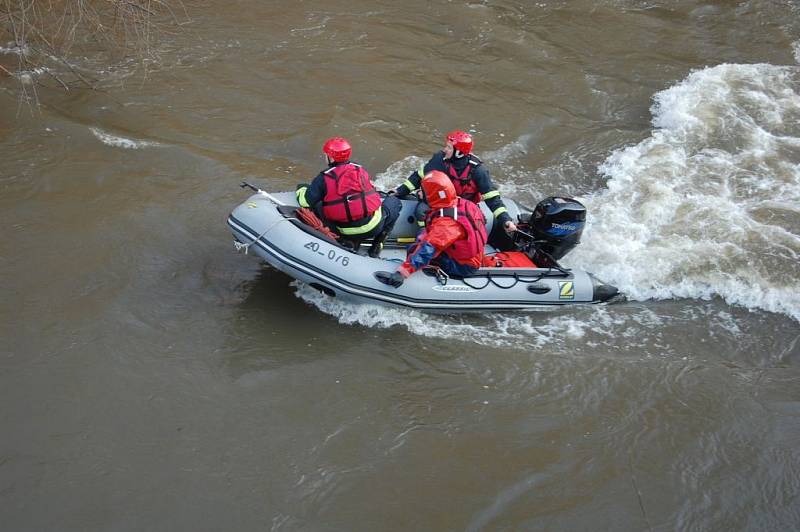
pixel 344 197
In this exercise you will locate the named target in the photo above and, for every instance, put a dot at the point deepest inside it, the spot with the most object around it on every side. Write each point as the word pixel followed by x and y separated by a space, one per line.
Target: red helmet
pixel 338 149
pixel 461 140
pixel 439 190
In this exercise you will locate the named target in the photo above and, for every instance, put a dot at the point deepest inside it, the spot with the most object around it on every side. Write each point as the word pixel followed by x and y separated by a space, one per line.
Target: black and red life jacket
pixel 466 187
pixel 349 194
pixel 471 218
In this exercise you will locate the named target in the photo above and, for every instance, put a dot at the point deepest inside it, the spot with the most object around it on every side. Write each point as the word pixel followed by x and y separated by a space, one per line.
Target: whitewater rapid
pixel 707 205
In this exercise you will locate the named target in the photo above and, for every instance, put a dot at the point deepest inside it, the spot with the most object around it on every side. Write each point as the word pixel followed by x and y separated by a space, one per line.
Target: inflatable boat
pixel 267 225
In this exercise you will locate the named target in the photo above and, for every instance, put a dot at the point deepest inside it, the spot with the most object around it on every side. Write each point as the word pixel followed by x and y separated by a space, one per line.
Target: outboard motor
pixel 557 224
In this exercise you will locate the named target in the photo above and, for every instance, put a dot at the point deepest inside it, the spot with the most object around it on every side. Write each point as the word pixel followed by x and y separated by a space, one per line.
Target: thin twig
pixel 638 491
pixel 66 87
pixel 53 29
pixel 137 6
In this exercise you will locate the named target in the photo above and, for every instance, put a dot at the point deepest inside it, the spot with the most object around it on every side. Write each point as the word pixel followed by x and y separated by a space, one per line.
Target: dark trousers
pixel 451 267
pixel 390 208
pixel 499 239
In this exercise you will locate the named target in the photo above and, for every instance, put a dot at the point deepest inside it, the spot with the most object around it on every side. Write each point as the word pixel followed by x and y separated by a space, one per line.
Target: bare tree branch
pixel 54 37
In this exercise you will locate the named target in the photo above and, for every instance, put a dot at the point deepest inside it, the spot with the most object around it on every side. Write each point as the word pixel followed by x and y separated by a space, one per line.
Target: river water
pixel 151 378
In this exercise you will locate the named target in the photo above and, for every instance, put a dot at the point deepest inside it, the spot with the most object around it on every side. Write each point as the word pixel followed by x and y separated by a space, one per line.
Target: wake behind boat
pixel 268 225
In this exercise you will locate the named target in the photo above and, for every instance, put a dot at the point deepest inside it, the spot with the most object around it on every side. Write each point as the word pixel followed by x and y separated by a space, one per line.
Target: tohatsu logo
pixel 564 227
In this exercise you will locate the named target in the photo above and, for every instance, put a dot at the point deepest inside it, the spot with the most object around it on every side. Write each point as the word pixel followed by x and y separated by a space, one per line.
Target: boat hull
pixel 269 231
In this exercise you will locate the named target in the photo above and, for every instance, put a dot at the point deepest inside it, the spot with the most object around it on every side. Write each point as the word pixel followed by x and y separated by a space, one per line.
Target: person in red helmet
pixel 471 180
pixel 344 197
pixel 454 234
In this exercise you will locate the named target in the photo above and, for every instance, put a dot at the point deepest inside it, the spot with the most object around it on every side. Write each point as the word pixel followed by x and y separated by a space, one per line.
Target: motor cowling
pixel 557 223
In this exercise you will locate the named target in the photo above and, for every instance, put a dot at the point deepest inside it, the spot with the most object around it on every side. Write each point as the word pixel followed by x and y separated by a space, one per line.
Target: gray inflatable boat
pixel 266 225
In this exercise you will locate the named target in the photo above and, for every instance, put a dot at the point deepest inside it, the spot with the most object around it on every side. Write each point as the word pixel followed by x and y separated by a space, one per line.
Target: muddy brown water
pixel 151 378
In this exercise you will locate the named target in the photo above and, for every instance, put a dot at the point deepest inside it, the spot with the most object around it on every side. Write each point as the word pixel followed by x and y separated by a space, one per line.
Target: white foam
pixel 121 142
pixel 524 331
pixel 508 152
pixel 27 76
pixel 398 172
pixel 679 217
pixel 796 49
pixel 12 48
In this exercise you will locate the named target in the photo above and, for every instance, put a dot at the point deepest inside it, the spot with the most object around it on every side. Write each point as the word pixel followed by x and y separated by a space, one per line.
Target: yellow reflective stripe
pixel 490 195
pixel 421 170
pixel 409 185
pixel 498 212
pixel 366 228
pixel 406 239
pixel 301 196
pixel 421 223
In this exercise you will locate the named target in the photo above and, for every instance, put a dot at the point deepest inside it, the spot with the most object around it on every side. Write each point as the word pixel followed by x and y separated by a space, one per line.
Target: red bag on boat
pixel 508 259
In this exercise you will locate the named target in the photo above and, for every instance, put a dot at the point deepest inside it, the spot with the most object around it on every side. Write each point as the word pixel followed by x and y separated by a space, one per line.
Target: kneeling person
pixel 454 234
pixel 344 197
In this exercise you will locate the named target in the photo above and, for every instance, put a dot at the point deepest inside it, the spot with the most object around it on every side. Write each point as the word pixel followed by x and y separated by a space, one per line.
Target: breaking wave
pixel 121 142
pixel 709 204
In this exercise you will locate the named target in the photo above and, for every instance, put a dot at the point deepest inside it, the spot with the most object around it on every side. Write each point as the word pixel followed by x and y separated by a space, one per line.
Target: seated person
pixel 453 238
pixel 471 180
pixel 345 199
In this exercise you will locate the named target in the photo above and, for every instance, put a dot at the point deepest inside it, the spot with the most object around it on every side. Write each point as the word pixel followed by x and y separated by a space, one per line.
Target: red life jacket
pixel 466 187
pixel 470 217
pixel 349 194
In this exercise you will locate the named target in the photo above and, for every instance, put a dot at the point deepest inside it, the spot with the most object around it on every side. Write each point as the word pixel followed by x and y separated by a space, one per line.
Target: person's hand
pixel 391 192
pixel 510 226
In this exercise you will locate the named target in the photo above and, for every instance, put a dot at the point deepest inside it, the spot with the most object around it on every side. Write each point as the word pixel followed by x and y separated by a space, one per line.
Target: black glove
pixel 392 279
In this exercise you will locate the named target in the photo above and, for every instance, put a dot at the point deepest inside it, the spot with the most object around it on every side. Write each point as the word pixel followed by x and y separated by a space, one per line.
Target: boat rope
pixel 443 278
pixel 491 280
pixel 309 217
pixel 246 247
pixel 517 279
pixel 440 274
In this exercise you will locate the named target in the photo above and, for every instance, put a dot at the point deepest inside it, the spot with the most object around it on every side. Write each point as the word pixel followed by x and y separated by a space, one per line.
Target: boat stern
pixel 602 291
